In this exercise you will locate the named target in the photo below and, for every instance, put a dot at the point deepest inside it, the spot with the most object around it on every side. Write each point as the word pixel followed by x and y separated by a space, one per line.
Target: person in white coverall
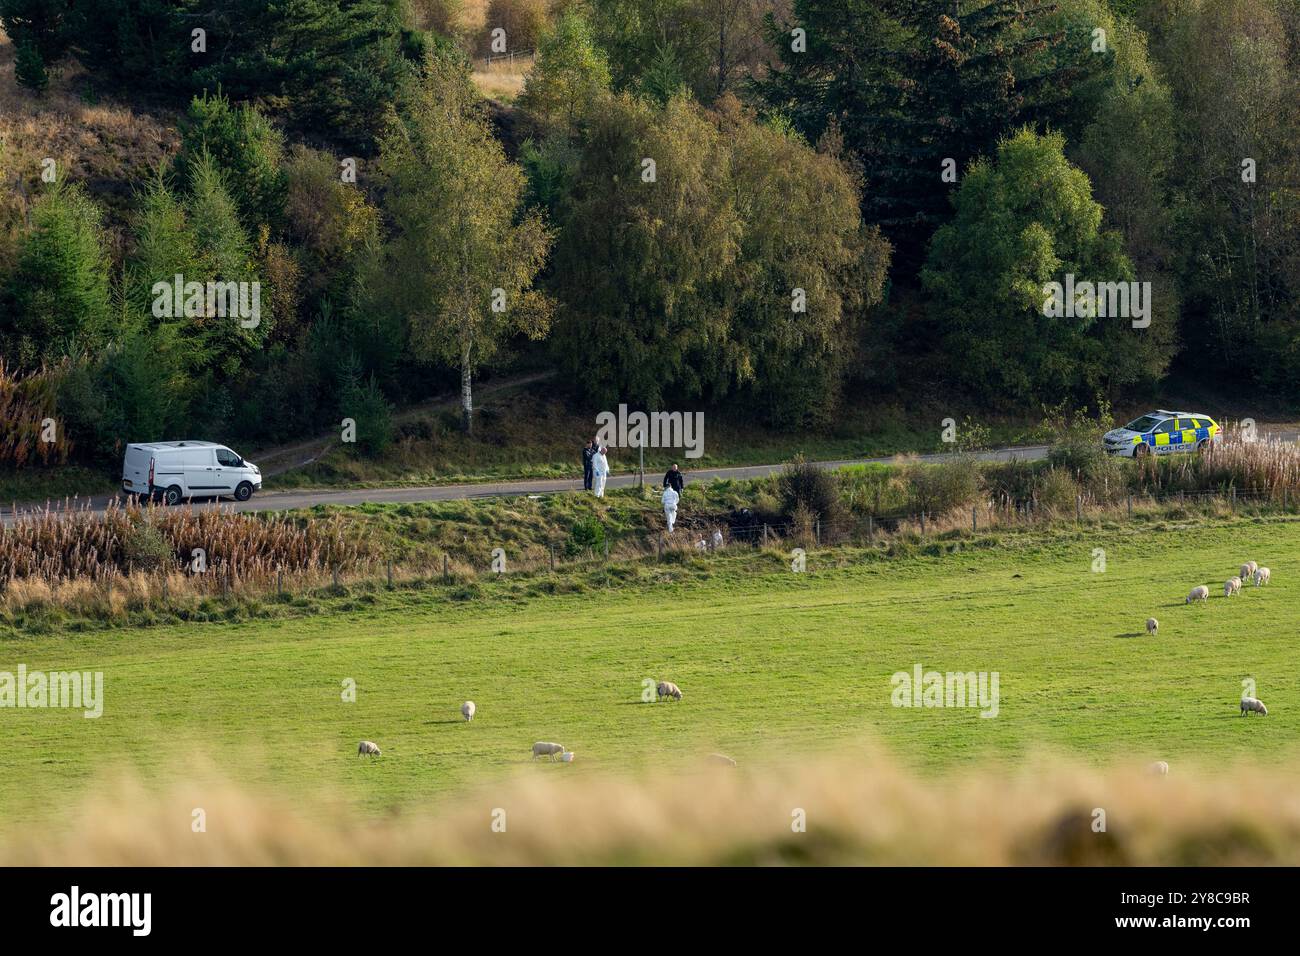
pixel 599 472
pixel 670 498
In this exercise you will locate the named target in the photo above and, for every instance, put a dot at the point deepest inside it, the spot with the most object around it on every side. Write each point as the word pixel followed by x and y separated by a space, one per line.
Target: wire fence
pixel 508 58
pixel 131 588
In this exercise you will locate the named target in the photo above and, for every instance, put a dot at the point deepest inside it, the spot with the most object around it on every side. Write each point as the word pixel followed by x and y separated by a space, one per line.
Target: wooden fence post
pixel 1078 508
pixel 819 531
pixel 1234 497
pixel 552 550
pixel 922 524
pixel 974 520
pixel 390 574
pixel 1129 496
pixel 445 572
pixel 871 528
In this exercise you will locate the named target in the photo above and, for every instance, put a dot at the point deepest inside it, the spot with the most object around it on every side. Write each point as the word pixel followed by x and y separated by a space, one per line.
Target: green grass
pixel 771 662
pixel 41 484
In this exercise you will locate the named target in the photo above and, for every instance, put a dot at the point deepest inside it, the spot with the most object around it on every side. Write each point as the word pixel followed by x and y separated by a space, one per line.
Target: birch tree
pixel 462 253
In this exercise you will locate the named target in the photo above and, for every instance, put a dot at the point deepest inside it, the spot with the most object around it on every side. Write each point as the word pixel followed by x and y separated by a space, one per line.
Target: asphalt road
pixel 307 498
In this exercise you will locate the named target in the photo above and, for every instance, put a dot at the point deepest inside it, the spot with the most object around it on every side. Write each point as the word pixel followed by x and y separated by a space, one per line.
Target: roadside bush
pixel 1012 482
pixel 803 485
pixel 1057 492
pixel 145 548
pixel 1076 443
pixel 935 489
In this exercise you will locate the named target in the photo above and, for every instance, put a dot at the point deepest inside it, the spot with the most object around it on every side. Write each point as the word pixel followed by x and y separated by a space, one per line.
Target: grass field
pixel 774 666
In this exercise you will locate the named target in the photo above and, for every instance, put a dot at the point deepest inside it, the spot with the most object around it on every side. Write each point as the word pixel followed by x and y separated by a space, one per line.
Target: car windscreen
pixel 1143 424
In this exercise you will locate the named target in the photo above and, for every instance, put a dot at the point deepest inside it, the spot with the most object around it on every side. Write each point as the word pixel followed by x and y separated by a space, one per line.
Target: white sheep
pixel 467 710
pixel 1231 586
pixel 544 749
pixel 1261 576
pixel 1160 768
pixel 1249 704
pixel 667 688
pixel 1200 593
pixel 369 747
pixel 721 760
pixel 1152 625
pixel 1248 570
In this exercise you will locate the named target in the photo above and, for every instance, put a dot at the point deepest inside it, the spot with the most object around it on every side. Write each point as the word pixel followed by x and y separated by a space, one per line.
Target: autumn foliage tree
pixel 462 254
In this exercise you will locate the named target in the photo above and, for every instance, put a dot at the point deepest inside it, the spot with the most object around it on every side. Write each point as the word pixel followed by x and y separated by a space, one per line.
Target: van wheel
pixel 244 491
pixel 1202 446
pixel 172 495
pixel 1142 450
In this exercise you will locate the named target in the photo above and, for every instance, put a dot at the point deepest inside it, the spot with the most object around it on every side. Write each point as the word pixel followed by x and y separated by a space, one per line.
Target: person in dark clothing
pixel 588 450
pixel 674 479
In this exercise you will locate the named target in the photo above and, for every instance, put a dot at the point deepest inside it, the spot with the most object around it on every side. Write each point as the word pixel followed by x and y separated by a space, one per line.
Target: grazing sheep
pixel 1248 570
pixel 1152 625
pixel 368 747
pixel 1261 576
pixel 467 709
pixel 1249 704
pixel 1201 593
pixel 722 760
pixel 716 540
pixel 1159 768
pixel 667 688
pixel 544 749
pixel 1231 586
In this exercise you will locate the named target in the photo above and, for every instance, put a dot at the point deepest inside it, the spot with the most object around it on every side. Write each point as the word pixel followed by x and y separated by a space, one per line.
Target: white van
pixel 171 470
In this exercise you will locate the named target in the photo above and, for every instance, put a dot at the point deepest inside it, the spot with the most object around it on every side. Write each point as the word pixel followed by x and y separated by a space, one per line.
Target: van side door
pixel 201 471
pixel 169 470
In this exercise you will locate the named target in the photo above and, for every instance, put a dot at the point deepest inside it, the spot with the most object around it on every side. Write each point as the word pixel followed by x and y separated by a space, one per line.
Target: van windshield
pixel 1143 424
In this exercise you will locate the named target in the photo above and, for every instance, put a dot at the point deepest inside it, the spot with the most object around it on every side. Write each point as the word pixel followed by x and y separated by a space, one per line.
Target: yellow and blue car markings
pixel 1205 428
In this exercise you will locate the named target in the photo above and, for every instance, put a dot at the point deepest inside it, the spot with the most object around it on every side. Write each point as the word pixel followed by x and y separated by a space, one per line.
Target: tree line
pixel 786 204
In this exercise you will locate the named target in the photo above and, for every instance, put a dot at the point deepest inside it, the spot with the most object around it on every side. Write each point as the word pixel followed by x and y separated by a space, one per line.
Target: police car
pixel 1162 433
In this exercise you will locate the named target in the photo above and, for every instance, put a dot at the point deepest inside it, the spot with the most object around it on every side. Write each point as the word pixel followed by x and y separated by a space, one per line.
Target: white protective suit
pixel 599 472
pixel 670 499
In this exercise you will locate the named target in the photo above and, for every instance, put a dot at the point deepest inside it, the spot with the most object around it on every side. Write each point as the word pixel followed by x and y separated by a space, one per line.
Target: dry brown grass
pixel 102 144
pixel 26 404
pixel 61 545
pixel 503 79
pixel 859 809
